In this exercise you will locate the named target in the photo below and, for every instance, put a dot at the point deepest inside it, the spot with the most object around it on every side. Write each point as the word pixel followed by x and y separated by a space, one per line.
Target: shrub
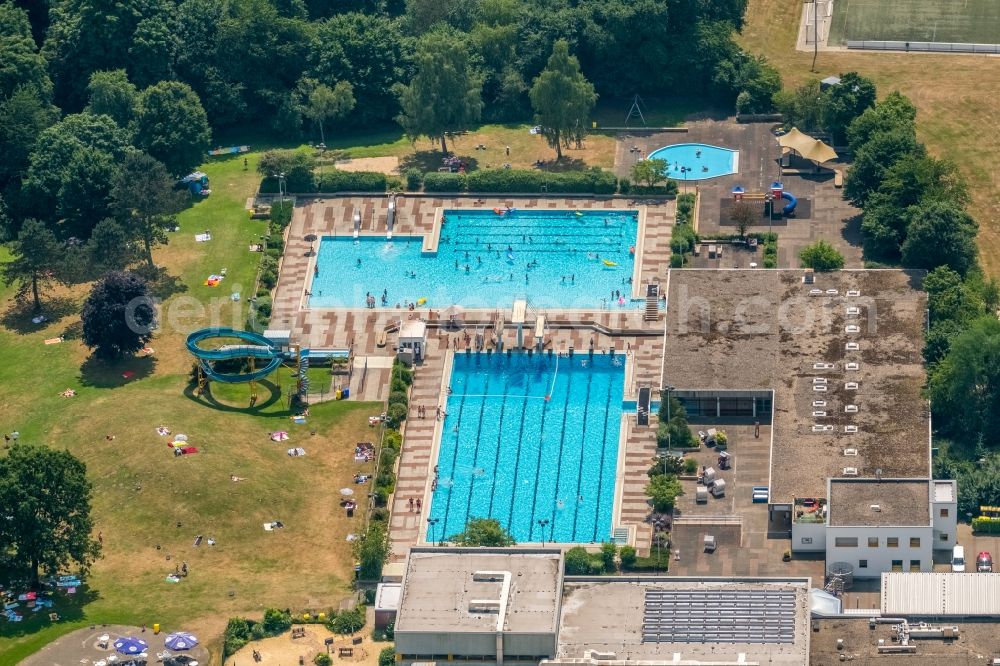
pixel 667 189
pixel 627 556
pixel 388 457
pixel 721 439
pixel 348 621
pixel 381 496
pixel 821 256
pixel 669 465
pixel 394 183
pixel 398 398
pixel 276 621
pixel 281 217
pixel 297 165
pixel 386 479
pixel 380 514
pixel 264 305
pixel 353 181
pixel 322 659
pixel 401 372
pixel 393 440
pixel 986 524
pixel 676 260
pixel 690 466
pixel 398 384
pixel 609 552
pixel 371 552
pixel 770 262
pixel 624 185
pixel 395 415
pixel 444 182
pixel 387 657
pixel 237 635
pixel 257 632
pixel 414 179
pixel 529 180
pixel 578 562
pixel 658 560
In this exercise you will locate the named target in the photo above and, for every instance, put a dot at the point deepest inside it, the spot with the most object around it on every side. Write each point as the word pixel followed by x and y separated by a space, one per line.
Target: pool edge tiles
pixel 528 438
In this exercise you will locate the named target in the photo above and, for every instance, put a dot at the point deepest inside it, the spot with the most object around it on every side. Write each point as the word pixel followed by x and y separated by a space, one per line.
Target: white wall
pixel 880 558
pixel 803 532
pixel 945 525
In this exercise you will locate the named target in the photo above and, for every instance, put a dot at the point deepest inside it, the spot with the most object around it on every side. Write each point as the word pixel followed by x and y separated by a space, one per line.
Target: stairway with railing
pixel 652 302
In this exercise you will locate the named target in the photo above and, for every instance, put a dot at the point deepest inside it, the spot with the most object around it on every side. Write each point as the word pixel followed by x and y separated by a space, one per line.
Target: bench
pixel 381 338
pixel 345 652
pixel 838 178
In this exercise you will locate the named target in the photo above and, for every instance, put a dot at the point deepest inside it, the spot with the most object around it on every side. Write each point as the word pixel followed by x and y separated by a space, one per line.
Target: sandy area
pixel 284 650
pixel 386 165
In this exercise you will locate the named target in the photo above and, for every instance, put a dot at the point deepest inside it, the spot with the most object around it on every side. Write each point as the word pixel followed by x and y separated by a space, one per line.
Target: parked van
pixel 958 559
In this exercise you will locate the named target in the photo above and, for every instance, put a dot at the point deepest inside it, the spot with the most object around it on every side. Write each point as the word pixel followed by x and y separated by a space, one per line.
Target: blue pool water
pixel 697 161
pixel 555 259
pixel 510 454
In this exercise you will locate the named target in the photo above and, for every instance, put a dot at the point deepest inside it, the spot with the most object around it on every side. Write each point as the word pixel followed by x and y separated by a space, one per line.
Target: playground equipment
pixel 769 198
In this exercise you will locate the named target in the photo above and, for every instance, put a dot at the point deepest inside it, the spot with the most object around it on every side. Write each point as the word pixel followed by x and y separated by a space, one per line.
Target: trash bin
pixel 347 393
pixel 340 394
pixel 156 628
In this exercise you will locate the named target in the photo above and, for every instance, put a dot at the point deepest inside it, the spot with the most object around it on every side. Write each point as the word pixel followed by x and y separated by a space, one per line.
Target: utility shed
pixel 941 594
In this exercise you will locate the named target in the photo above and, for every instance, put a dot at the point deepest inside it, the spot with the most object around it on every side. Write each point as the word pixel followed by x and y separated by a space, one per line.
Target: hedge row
pixel 986 524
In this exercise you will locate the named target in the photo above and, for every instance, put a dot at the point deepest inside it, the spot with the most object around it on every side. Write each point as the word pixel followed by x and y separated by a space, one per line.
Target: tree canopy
pixel 941 234
pixel 483 532
pixel 444 94
pixel 821 256
pixel 562 99
pixel 36 264
pixel 45 497
pixel 145 202
pixel 172 126
pixel 118 316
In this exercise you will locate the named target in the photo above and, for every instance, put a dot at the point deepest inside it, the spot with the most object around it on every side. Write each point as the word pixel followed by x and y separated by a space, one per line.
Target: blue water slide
pixel 258 347
pixel 792 203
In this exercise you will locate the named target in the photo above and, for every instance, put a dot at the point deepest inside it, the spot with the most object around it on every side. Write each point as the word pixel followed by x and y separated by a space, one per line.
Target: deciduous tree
pixel 37 257
pixel 372 550
pixel 941 234
pixel 118 316
pixel 743 216
pixel 172 126
pixel 846 101
pixel 486 532
pixel 562 99
pixel 45 497
pixel 145 201
pixel 112 94
pixel 324 103
pixel 443 95
pixel 649 172
pixel 110 247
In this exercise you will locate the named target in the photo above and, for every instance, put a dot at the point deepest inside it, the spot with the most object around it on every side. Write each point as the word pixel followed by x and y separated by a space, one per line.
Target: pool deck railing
pixel 638 289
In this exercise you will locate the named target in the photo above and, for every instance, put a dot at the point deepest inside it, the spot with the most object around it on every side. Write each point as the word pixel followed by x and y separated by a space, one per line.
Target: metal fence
pixel 924 47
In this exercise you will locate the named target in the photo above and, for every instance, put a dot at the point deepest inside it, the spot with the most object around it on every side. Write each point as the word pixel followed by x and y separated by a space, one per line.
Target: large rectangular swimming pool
pixel 554 259
pixel 529 439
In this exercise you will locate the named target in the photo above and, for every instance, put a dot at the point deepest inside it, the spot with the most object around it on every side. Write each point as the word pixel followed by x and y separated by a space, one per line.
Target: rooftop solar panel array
pixel 719 616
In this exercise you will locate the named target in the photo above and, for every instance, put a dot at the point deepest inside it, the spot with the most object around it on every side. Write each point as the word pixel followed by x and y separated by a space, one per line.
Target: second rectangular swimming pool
pixel 529 439
pixel 552 258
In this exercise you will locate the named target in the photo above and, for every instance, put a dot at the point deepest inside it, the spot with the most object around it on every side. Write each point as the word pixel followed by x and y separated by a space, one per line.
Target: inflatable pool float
pixel 608 262
pixel 421 300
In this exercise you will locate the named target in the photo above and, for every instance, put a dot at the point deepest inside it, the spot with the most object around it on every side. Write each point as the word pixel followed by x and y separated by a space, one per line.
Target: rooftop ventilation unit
pixel 819 380
pixel 850 471
pixel 851 429
pixel 815 292
pixel 850 452
pixel 853 292
pixel 852 328
pixel 819 413
pixel 851 386
pixel 832 292
pixel 853 311
pixel 851 409
pixel 852 346
pixel 877 508
pixel 822 428
pixel 852 366
pixel 820 388
pixel 819 403
pixel 823 366
pixel 809 277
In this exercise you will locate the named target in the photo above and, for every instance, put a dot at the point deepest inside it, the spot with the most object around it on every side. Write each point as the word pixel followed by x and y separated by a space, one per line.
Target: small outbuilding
pixel 413 339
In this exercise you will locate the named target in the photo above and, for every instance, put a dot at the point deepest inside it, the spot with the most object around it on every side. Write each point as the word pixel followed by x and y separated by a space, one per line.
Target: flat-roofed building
pixel 475 604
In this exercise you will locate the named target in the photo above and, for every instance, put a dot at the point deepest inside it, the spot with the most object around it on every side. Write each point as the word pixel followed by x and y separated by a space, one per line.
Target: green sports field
pixel 965 21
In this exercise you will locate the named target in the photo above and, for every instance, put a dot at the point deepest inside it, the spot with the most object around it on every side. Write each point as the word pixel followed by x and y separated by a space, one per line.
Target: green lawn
pixel 142 492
